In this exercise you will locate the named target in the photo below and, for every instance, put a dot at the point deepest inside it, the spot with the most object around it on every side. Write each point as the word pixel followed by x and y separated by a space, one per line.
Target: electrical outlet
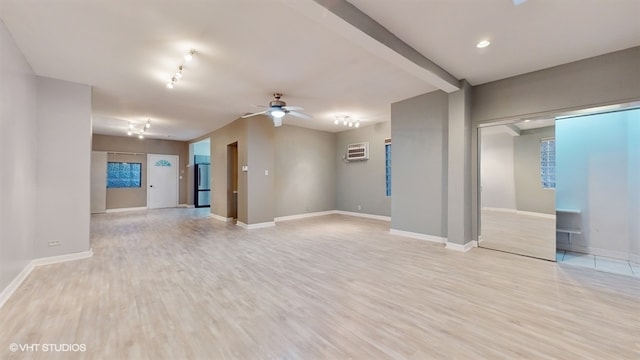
pixel 54 243
pixel 359 207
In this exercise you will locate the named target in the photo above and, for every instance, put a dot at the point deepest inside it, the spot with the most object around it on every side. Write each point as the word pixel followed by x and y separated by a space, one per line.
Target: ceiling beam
pixel 353 24
pixel 512 130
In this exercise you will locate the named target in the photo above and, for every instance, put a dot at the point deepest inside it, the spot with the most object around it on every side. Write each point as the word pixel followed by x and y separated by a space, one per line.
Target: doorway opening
pixel 202 173
pixel 517 202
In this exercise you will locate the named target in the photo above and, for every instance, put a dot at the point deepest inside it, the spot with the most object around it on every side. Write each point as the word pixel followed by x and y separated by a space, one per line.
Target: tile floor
pixel 600 263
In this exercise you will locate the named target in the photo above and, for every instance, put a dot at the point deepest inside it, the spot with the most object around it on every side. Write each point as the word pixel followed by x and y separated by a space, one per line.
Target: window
pixel 387 163
pixel 548 163
pixel 124 175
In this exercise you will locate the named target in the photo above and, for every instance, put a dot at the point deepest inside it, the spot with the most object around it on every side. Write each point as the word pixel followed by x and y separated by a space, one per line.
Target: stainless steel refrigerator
pixel 202 196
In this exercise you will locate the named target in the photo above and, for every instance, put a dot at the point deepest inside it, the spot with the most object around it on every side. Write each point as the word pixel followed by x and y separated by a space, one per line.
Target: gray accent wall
pixel 63 172
pixel 530 195
pixel 304 173
pixel 124 147
pixel 419 132
pixel 459 167
pixel 19 158
pixel 362 183
pixel 603 80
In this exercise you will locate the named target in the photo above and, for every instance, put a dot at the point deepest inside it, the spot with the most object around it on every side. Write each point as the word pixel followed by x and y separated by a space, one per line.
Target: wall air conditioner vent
pixel 359 151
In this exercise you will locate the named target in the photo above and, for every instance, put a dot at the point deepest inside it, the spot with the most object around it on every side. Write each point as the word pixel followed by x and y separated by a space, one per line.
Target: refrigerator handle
pixel 199 178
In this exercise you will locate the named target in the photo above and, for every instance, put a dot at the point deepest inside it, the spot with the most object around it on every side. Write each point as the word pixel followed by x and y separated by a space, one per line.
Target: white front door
pixel 162 181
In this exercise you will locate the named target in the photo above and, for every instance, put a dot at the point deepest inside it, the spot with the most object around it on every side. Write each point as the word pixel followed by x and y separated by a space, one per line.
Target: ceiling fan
pixel 277 109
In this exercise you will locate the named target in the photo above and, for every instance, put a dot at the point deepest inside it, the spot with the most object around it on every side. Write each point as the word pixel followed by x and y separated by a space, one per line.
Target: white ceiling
pixel 248 49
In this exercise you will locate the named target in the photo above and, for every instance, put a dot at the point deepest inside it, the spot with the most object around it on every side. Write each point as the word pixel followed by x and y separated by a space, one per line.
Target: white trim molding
pixel 186 206
pixel 463 248
pixel 15 283
pixel 363 215
pixel 22 276
pixel 126 209
pixel 62 258
pixel 256 226
pixel 418 236
pixel 221 218
pixel 521 212
pixel 303 216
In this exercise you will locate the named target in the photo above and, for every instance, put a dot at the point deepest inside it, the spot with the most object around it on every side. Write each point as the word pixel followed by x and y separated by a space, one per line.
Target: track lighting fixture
pixel 189 55
pixel 178 74
pixel 132 129
pixel 346 121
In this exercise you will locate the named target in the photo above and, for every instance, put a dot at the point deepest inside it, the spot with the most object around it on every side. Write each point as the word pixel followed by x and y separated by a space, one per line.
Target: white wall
pixel 596 163
pixel 18 156
pixel 497 181
pixel 63 167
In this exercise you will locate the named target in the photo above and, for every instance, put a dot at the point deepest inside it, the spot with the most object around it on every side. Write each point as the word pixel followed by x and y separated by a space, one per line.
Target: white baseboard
pixel 256 226
pixel 363 215
pixel 221 218
pixel 418 236
pixel 514 211
pixel 62 258
pixel 463 248
pixel 126 209
pixel 15 283
pixel 20 278
pixel 303 216
pixel 186 206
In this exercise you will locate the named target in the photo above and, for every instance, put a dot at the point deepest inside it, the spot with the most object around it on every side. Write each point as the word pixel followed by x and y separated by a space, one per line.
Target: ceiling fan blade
pixel 292 108
pixel 254 114
pixel 300 115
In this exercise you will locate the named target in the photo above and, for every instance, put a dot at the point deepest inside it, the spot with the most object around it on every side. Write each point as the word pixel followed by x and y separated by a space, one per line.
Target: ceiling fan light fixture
pixel 277 113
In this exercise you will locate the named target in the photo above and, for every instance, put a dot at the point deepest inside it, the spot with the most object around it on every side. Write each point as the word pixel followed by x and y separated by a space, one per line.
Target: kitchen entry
pixel 201 186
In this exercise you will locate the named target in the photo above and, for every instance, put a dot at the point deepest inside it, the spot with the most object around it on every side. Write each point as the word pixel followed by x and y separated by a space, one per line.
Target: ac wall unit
pixel 359 151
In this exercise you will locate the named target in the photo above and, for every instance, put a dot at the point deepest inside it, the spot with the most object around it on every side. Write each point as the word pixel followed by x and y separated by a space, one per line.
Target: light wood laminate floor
pixel 177 284
pixel 518 233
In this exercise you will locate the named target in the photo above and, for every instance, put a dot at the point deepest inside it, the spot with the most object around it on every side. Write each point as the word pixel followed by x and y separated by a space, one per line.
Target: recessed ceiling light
pixel 483 44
